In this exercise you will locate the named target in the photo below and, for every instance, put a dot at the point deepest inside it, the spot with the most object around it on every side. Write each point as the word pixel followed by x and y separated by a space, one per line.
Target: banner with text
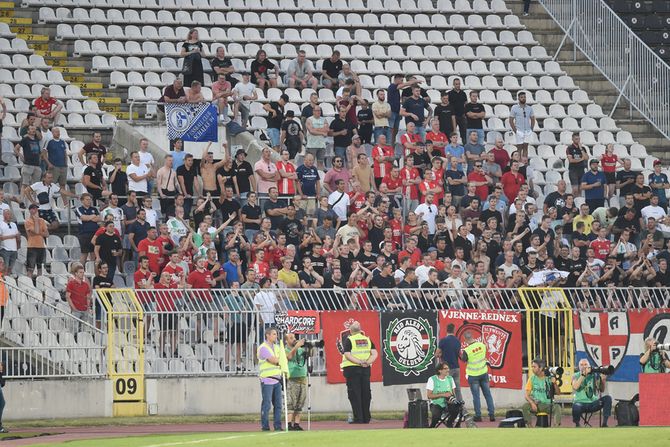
pixel 409 344
pixel 335 327
pixel 617 338
pixel 500 331
pixel 192 122
pixel 299 321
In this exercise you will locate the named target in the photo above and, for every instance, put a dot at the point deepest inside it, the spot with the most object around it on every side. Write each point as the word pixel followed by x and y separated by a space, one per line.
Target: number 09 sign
pixel 128 388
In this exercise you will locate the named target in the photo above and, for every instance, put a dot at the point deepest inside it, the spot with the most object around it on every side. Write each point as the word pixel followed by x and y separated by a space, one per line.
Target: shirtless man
pixel 208 171
pixel 194 94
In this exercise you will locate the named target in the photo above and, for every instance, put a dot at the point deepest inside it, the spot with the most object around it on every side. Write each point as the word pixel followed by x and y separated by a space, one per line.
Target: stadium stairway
pixel 588 77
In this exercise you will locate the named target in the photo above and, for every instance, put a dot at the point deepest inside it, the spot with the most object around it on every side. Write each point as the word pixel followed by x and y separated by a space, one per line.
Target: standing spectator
pixel 526 7
pixel 10 242
pixel 522 121
pixel 119 181
pixel 108 249
pixel 46 106
pixel 342 131
pixel 287 176
pixel 593 184
pixel 512 181
pixel 223 65
pixel 500 155
pixel 317 131
pixel 393 93
pixel 474 150
pixel 354 150
pixel 243 94
pixel 308 110
pixel 187 176
pixel 267 175
pixel 138 231
pixel 556 199
pixel 261 67
pixel 383 157
pixel 474 116
pixel 641 192
pixel 37 233
pixel 192 52
pixel 151 214
pixel 381 111
pixel 88 217
pixel 338 172
pixel 610 161
pixel 148 160
pixel 365 120
pixel 457 99
pixel 275 118
pixel 411 140
pixel 362 174
pixel 292 135
pixel 416 110
pixel 166 179
pixel 448 351
pixel 455 154
pixel 29 152
pixel 444 112
pixel 330 71
pixel 94 146
pixel 78 294
pixel 244 174
pixel 222 90
pixel 438 139
pixel 659 184
pixel 56 158
pixel 116 212
pixel 208 171
pixel 94 181
pixel 299 73
pixel 138 175
pixel 339 201
pixel 427 212
pixel 309 183
pixel 625 181
pixel 577 156
pixel 152 248
pixel 177 152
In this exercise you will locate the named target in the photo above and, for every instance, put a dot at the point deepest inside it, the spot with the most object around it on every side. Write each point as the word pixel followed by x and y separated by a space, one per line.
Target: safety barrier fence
pixel 216 332
pixel 638 73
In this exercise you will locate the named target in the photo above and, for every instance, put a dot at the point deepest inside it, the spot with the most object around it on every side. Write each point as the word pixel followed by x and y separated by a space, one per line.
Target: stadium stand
pixel 650 20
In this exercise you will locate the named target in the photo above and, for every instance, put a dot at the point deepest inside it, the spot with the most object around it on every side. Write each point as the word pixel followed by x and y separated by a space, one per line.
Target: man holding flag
pixel 272 366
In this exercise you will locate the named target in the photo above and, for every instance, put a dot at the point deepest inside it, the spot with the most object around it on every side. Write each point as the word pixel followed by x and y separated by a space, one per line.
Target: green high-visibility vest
pixel 654 364
pixel 539 388
pixel 476 359
pixel 588 390
pixel 297 366
pixel 440 386
pixel 265 368
pixel 361 346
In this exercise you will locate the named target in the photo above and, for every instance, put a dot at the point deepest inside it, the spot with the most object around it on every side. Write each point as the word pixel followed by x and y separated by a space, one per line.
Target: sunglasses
pixel 478 166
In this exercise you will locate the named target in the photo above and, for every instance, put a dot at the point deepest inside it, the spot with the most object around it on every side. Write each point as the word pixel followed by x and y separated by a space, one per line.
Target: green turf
pixel 569 437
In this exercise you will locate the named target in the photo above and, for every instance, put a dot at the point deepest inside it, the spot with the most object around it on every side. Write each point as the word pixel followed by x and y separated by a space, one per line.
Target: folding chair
pixel 585 418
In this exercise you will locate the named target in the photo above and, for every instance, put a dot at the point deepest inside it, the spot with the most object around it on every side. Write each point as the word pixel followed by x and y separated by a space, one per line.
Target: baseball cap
pixel 530 250
pixel 432 249
pixel 240 151
pixel 33 206
pixel 593 160
pixel 657 162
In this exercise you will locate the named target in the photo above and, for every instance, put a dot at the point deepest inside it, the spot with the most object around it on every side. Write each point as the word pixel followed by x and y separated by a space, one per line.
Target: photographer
pixel 297 379
pixel 539 390
pixel 587 386
pixel 440 390
pixel 652 360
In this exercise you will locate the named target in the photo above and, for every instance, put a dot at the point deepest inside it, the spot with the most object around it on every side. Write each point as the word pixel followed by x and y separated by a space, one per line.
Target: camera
pixel 311 344
pixel 606 370
pixel 553 371
pixel 663 346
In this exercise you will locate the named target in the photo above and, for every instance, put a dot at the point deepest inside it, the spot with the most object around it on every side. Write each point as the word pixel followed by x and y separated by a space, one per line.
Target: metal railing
pixel 638 73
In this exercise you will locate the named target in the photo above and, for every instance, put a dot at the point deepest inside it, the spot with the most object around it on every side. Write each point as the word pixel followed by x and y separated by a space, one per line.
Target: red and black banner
pixel 500 331
pixel 335 327
pixel 299 321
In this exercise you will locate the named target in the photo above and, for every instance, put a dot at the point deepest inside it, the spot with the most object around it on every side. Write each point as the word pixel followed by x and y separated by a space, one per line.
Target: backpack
pixel 627 413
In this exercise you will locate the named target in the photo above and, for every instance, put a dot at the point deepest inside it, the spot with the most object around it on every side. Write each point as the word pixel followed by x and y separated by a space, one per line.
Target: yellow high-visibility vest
pixel 476 359
pixel 265 368
pixel 361 346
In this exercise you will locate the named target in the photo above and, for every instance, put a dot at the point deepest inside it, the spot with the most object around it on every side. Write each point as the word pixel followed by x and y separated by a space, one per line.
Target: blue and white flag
pixel 192 122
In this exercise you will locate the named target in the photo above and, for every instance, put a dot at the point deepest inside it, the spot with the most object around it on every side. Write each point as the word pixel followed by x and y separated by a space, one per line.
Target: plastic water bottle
pixel 350 418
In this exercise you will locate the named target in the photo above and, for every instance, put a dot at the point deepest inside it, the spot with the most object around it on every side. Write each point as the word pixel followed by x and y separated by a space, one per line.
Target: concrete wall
pixel 208 396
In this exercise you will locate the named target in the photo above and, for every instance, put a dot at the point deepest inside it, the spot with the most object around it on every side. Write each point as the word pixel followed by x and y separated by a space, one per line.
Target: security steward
pixel 359 355
pixel 652 360
pixel 270 373
pixel 588 386
pixel 477 373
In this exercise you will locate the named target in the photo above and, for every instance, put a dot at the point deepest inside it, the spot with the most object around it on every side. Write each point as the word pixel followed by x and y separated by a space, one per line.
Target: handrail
pixel 634 69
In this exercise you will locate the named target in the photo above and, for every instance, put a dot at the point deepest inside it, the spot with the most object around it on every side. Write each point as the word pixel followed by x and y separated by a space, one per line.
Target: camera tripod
pixel 309 390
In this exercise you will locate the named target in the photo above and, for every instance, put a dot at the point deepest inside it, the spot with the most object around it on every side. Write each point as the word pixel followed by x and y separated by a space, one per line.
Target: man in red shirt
pixel 173 268
pixel 201 299
pixel 411 252
pixel 396 226
pixel 512 181
pixel 480 181
pixel 601 246
pixel 500 155
pixel 261 267
pixel 78 294
pixel 46 106
pixel 410 181
pixel 287 174
pixel 143 276
pixel 439 139
pixel 357 198
pixel 392 183
pixel 410 139
pixel 383 157
pixel 152 248
pixel 429 185
pixel 165 304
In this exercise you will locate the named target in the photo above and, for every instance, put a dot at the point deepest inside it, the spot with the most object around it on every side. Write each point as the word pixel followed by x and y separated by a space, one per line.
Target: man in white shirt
pixel 42 194
pixel 424 269
pixel 243 93
pixel 10 241
pixel 115 211
pixel 509 266
pixel 339 201
pixel 138 175
pixel 148 160
pixel 427 212
pixel 658 213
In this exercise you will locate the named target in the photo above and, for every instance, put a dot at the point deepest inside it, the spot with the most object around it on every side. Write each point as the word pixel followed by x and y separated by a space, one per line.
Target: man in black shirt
pixel 342 132
pixel 224 65
pixel 577 156
pixel 108 249
pixel 244 173
pixel 457 99
pixel 385 278
pixel 365 122
pixel 444 112
pixel 292 135
pixel 119 181
pixel 274 209
pixel 93 179
pixel 625 179
pixel 186 176
pixel 275 119
pixel 641 192
pixel 330 70
pixel 556 199
pixel 291 226
pixel 229 206
pixel 474 116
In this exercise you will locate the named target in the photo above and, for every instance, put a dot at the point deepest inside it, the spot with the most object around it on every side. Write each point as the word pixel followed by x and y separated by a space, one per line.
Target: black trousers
pixel 436 413
pixel 462 124
pixel 358 391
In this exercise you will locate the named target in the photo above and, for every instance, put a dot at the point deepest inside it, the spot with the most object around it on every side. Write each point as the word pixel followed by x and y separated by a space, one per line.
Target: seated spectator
pixel 330 71
pixel 174 93
pixel 223 65
pixel 46 106
pixel 243 94
pixel 194 94
pixel 222 90
pixel 300 73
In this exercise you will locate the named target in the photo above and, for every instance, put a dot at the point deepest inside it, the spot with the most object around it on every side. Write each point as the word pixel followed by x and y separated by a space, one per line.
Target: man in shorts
pixel 522 120
pixel 88 217
pixel 36 232
pixel 29 151
pixel 42 194
pixel 10 240
pixel 56 158
pixel 317 131
pixel 297 379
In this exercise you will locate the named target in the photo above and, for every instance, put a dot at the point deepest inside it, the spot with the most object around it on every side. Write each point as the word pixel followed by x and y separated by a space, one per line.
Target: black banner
pixel 409 341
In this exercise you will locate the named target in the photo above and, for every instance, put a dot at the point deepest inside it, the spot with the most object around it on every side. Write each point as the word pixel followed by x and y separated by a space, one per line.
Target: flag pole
pixel 283 364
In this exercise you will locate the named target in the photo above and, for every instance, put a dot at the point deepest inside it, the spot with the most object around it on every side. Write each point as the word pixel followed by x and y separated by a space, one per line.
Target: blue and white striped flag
pixel 192 122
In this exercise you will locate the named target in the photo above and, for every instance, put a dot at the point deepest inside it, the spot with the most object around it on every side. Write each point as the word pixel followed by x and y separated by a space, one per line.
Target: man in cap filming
pixel 539 392
pixel 297 379
pixel 588 385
